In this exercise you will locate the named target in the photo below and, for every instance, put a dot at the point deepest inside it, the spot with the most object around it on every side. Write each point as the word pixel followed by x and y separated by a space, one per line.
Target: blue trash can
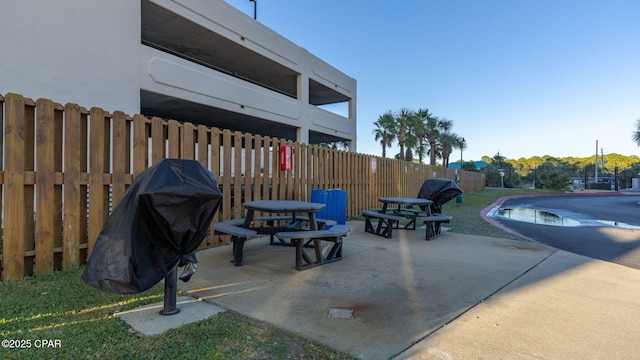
pixel 336 201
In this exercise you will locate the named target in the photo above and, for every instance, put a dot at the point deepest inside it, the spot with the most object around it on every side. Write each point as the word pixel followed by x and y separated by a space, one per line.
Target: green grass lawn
pixel 79 319
pixel 59 307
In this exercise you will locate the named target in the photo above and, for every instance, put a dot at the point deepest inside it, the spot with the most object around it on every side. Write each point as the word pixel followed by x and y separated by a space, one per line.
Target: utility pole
pixel 596 180
pixel 255 9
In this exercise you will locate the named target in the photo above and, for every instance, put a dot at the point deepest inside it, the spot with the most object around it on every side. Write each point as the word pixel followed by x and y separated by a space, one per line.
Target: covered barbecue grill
pixel 440 191
pixel 156 227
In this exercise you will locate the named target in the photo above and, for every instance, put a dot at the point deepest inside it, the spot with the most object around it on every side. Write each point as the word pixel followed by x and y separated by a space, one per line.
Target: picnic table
pixel 292 207
pixel 396 209
pixel 297 223
pixel 405 207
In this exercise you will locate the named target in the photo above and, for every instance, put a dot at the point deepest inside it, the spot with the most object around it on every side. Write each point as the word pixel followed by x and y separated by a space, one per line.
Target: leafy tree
pixel 554 179
pixel 626 176
pixel 520 166
pixel 553 173
pixel 620 161
pixel 469 166
pixel 500 177
pixel 500 172
pixel 535 161
pixel 385 131
pixel 511 177
pixel 337 145
pixel 491 176
pixel 528 170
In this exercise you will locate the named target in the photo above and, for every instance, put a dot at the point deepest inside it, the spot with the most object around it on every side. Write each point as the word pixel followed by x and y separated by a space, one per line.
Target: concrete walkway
pixel 455 297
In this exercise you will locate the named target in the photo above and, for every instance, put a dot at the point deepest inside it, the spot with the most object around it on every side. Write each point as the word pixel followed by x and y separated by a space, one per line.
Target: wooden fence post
pixel 14 209
pixel 226 174
pixel 173 138
pixel 75 193
pixel 121 156
pixel 99 140
pixel 248 167
pixel 49 195
pixel 140 144
pixel 237 174
pixel 268 154
pixel 158 140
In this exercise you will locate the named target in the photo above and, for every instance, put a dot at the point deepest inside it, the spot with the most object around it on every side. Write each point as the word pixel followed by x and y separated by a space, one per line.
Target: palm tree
pixel 403 120
pixel 336 145
pixel 636 134
pixel 435 126
pixel 385 131
pixel 420 132
pixel 449 141
pixel 437 150
pixel 498 160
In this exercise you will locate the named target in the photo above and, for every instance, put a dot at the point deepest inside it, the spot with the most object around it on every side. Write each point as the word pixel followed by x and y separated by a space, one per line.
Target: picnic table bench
pixel 385 222
pixel 238 234
pixel 433 223
pixel 301 239
pixel 291 224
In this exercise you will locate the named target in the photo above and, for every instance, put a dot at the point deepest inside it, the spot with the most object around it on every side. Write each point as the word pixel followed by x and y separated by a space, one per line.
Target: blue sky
pixel 523 78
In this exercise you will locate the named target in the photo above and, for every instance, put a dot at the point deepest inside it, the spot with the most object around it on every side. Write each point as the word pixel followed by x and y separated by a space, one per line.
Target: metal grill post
pixel 170 293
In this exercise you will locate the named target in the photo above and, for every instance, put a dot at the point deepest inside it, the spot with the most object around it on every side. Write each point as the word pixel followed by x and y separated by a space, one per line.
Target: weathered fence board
pixel 121 150
pixel 49 195
pixel 75 199
pixel 99 140
pixel 15 207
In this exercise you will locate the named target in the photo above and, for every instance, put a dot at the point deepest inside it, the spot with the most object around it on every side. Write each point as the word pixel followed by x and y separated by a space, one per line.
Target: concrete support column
pixel 353 117
pixel 302 132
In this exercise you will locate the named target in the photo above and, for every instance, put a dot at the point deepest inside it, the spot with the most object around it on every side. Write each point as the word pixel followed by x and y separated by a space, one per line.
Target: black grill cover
pixel 159 223
pixel 440 191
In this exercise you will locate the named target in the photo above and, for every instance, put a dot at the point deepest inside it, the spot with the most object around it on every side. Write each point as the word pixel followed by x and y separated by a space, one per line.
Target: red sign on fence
pixel 286 157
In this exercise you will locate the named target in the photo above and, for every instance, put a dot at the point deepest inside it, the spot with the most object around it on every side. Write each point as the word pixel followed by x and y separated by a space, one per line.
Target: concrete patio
pixel 456 297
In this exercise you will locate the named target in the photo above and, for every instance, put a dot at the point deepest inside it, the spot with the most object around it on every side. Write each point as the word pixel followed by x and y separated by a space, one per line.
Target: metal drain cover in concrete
pixel 337 313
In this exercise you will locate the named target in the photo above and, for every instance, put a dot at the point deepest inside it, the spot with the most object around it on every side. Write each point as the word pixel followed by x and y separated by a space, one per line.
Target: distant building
pixel 458 164
pixel 199 61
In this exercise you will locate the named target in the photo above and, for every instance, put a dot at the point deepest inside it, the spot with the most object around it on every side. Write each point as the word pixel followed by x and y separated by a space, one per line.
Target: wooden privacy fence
pixel 63 168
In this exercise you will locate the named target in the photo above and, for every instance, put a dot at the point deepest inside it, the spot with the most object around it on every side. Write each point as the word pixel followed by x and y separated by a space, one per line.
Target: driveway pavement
pixel 611 221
